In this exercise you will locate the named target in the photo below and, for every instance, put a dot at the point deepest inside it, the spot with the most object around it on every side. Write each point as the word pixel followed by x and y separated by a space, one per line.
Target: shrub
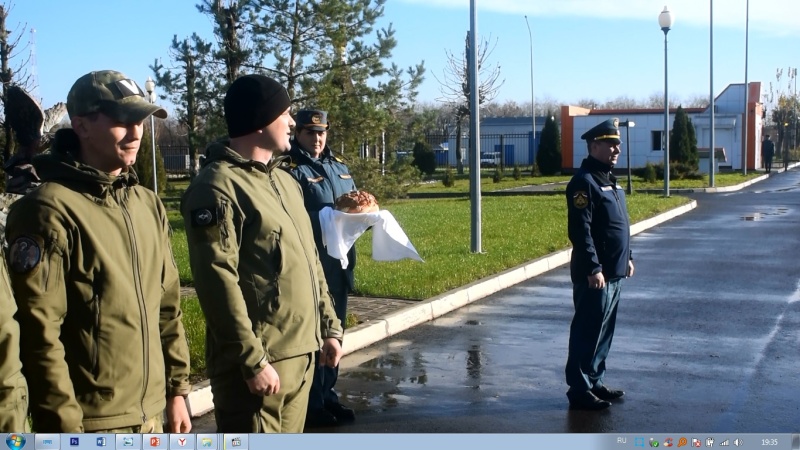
pixel 144 165
pixel 449 179
pixel 649 173
pixel 517 174
pixel 677 171
pixel 400 176
pixel 535 170
pixel 424 158
pixel 498 174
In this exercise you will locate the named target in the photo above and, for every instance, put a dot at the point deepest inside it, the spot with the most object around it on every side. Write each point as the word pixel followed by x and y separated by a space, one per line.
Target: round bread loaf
pixel 355 202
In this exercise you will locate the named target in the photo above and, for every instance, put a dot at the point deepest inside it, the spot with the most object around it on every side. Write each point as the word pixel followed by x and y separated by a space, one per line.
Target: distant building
pixel 646 137
pixel 508 139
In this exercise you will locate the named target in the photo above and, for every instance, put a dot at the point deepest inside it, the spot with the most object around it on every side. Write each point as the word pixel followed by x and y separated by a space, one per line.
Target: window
pixel 657 140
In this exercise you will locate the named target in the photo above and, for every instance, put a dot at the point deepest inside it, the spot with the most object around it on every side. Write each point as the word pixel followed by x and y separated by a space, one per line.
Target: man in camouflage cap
pixel 598 228
pixel 95 282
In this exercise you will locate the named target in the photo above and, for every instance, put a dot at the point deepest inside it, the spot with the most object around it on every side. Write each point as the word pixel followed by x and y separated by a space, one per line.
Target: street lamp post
pixel 150 86
pixel 533 104
pixel 665 22
pixel 628 124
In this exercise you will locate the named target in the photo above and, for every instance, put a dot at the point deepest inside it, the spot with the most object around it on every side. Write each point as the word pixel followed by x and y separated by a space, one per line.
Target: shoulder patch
pixel 580 199
pixel 24 255
pixel 203 217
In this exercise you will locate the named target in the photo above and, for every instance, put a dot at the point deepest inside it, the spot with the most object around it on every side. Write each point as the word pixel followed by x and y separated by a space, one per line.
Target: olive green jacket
pixel 98 295
pixel 13 389
pixel 255 265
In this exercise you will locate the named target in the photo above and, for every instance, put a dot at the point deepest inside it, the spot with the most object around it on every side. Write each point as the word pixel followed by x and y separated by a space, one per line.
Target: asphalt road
pixel 708 339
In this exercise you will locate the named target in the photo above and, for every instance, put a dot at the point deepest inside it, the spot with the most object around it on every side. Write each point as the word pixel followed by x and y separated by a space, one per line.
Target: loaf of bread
pixel 355 202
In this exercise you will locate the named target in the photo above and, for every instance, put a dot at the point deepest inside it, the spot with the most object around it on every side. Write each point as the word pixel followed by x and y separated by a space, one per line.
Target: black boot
pixel 342 413
pixel 586 400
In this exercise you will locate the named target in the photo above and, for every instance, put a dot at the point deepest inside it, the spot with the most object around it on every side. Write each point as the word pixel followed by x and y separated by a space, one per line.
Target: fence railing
pixel 176 158
pixel 505 149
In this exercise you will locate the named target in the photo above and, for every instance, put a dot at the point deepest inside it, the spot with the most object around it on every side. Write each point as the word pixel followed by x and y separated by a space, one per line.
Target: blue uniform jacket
pixel 323 180
pixel 598 223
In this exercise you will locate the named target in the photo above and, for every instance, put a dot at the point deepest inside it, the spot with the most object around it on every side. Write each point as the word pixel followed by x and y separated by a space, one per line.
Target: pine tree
pixel 548 157
pixel 693 159
pixel 679 137
pixel 192 87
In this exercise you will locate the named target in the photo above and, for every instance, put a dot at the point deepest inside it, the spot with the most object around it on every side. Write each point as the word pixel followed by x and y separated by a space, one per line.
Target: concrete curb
pixel 200 400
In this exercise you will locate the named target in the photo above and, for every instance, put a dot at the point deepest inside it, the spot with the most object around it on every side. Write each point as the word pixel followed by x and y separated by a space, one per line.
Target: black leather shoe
pixel 319 418
pixel 586 400
pixel 342 413
pixel 605 393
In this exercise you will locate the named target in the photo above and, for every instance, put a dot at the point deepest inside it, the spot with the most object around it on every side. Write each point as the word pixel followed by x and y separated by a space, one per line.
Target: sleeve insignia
pixel 203 217
pixel 580 199
pixel 24 255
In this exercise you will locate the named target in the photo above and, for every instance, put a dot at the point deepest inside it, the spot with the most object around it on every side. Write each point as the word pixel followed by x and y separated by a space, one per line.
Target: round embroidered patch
pixel 24 255
pixel 203 217
pixel 580 199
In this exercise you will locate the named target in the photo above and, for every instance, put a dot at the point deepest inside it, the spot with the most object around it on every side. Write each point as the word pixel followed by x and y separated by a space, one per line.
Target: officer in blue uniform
pixel 601 259
pixel 323 178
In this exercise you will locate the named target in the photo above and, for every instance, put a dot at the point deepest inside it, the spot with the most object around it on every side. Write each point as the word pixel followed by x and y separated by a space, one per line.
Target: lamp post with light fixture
pixel 150 86
pixel 665 22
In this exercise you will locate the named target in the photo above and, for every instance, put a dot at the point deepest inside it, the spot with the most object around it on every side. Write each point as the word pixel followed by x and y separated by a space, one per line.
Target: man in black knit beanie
pixel 256 270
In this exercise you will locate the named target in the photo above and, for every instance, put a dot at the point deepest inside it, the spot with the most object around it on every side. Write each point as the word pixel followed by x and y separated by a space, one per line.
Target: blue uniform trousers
pixel 325 377
pixel 591 333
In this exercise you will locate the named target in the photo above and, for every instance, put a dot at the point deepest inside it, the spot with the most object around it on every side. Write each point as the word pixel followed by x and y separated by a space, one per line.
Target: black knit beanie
pixel 253 102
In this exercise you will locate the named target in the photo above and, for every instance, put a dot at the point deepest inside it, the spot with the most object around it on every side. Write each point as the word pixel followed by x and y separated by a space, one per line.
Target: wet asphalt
pixel 707 340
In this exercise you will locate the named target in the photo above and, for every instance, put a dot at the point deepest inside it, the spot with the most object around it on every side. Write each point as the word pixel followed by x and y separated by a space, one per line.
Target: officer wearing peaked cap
pixel 607 130
pixel 601 259
pixel 323 178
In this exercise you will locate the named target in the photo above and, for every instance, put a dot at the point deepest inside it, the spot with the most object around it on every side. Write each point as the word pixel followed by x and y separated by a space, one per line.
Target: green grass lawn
pixel 515 230
pixel 487 184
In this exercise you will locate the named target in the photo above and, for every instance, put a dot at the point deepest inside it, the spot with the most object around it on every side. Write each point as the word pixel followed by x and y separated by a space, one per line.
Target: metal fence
pixel 176 158
pixel 505 149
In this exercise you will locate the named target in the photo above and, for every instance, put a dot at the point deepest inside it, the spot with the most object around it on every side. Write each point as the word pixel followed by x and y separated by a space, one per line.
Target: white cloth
pixel 341 230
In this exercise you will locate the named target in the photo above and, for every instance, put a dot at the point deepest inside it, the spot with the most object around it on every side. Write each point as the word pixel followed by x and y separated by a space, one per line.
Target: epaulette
pixel 337 159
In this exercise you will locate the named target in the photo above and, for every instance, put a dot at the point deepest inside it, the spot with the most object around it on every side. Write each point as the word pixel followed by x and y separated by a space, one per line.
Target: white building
pixel 643 142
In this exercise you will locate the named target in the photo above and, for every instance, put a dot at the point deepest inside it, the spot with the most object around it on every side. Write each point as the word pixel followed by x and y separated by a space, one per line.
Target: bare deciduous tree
pixel 455 86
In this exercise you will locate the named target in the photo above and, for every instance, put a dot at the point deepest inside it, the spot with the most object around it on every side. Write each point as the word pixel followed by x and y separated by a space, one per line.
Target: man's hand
pixel 178 420
pixel 597 281
pixel 267 382
pixel 331 353
pixel 630 268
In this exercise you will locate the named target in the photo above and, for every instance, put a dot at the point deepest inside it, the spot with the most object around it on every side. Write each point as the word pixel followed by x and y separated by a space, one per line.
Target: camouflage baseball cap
pixel 113 94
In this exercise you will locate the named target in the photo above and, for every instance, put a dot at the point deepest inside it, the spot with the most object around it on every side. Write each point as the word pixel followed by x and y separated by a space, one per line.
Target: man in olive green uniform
pixel 13 389
pixel 94 278
pixel 256 270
